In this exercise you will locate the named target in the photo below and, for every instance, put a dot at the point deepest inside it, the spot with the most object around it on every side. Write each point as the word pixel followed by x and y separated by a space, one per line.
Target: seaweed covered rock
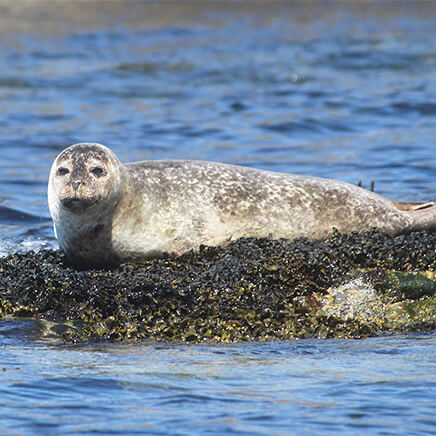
pixel 252 289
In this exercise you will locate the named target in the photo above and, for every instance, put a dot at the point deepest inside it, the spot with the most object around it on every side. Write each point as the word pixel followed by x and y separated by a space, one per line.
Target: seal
pixel 105 212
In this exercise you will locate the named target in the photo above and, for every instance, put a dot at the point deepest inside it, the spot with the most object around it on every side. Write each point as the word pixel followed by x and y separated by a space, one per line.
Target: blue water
pixel 339 90
pixel 373 386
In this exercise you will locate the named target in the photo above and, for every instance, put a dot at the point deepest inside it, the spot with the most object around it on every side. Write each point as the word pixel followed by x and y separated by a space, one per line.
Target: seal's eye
pixel 62 171
pixel 97 171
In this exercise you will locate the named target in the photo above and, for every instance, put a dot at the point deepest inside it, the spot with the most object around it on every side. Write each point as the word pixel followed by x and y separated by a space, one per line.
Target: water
pixel 343 91
pixel 374 386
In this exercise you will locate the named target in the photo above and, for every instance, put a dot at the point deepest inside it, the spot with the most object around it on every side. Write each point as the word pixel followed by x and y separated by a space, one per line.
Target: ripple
pixel 12 82
pixel 11 216
pixel 307 126
pixel 151 67
pixel 424 109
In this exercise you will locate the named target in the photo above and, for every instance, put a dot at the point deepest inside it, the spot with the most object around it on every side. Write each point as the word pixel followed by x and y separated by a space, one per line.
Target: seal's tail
pixel 423 215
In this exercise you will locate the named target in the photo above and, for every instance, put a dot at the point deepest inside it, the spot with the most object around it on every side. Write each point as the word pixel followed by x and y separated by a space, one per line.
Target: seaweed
pixel 251 289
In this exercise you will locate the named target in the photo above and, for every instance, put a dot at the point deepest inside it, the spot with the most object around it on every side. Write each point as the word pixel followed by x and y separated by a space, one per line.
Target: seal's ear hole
pixel 97 171
pixel 62 171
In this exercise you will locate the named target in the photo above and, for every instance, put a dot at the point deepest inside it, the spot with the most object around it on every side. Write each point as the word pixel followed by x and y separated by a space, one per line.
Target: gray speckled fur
pixel 174 206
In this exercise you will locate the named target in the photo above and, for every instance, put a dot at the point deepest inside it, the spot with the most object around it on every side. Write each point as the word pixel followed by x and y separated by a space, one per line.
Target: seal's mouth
pixel 76 204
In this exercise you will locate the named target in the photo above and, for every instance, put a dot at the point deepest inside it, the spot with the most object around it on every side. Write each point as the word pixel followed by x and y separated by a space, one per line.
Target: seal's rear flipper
pixel 412 206
pixel 422 217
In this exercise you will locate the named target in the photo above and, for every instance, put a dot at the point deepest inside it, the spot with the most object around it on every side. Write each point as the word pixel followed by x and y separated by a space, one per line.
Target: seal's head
pixel 85 176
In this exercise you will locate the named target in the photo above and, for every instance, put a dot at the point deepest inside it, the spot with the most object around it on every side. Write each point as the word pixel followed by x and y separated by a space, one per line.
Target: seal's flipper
pixel 412 206
pixel 423 218
pixel 421 206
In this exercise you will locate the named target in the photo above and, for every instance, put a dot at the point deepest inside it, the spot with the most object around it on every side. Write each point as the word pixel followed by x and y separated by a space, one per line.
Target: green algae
pixel 415 285
pixel 252 289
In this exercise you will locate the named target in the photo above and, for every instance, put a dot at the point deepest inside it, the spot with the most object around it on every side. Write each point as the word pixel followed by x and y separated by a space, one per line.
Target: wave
pixel 11 216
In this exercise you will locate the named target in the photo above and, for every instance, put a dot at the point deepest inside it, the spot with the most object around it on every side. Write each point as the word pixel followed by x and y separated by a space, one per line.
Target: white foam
pixel 11 245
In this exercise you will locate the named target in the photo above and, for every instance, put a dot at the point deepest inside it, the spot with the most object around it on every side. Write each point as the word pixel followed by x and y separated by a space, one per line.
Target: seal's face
pixel 86 175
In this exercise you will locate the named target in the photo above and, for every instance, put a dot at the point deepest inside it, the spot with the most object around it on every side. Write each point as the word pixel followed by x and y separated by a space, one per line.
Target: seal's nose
pixel 75 185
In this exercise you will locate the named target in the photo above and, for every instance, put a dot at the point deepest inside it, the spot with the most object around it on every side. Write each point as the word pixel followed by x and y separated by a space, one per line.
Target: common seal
pixel 105 212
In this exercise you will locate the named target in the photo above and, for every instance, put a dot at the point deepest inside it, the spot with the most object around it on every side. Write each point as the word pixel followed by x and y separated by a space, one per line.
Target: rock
pixel 253 289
